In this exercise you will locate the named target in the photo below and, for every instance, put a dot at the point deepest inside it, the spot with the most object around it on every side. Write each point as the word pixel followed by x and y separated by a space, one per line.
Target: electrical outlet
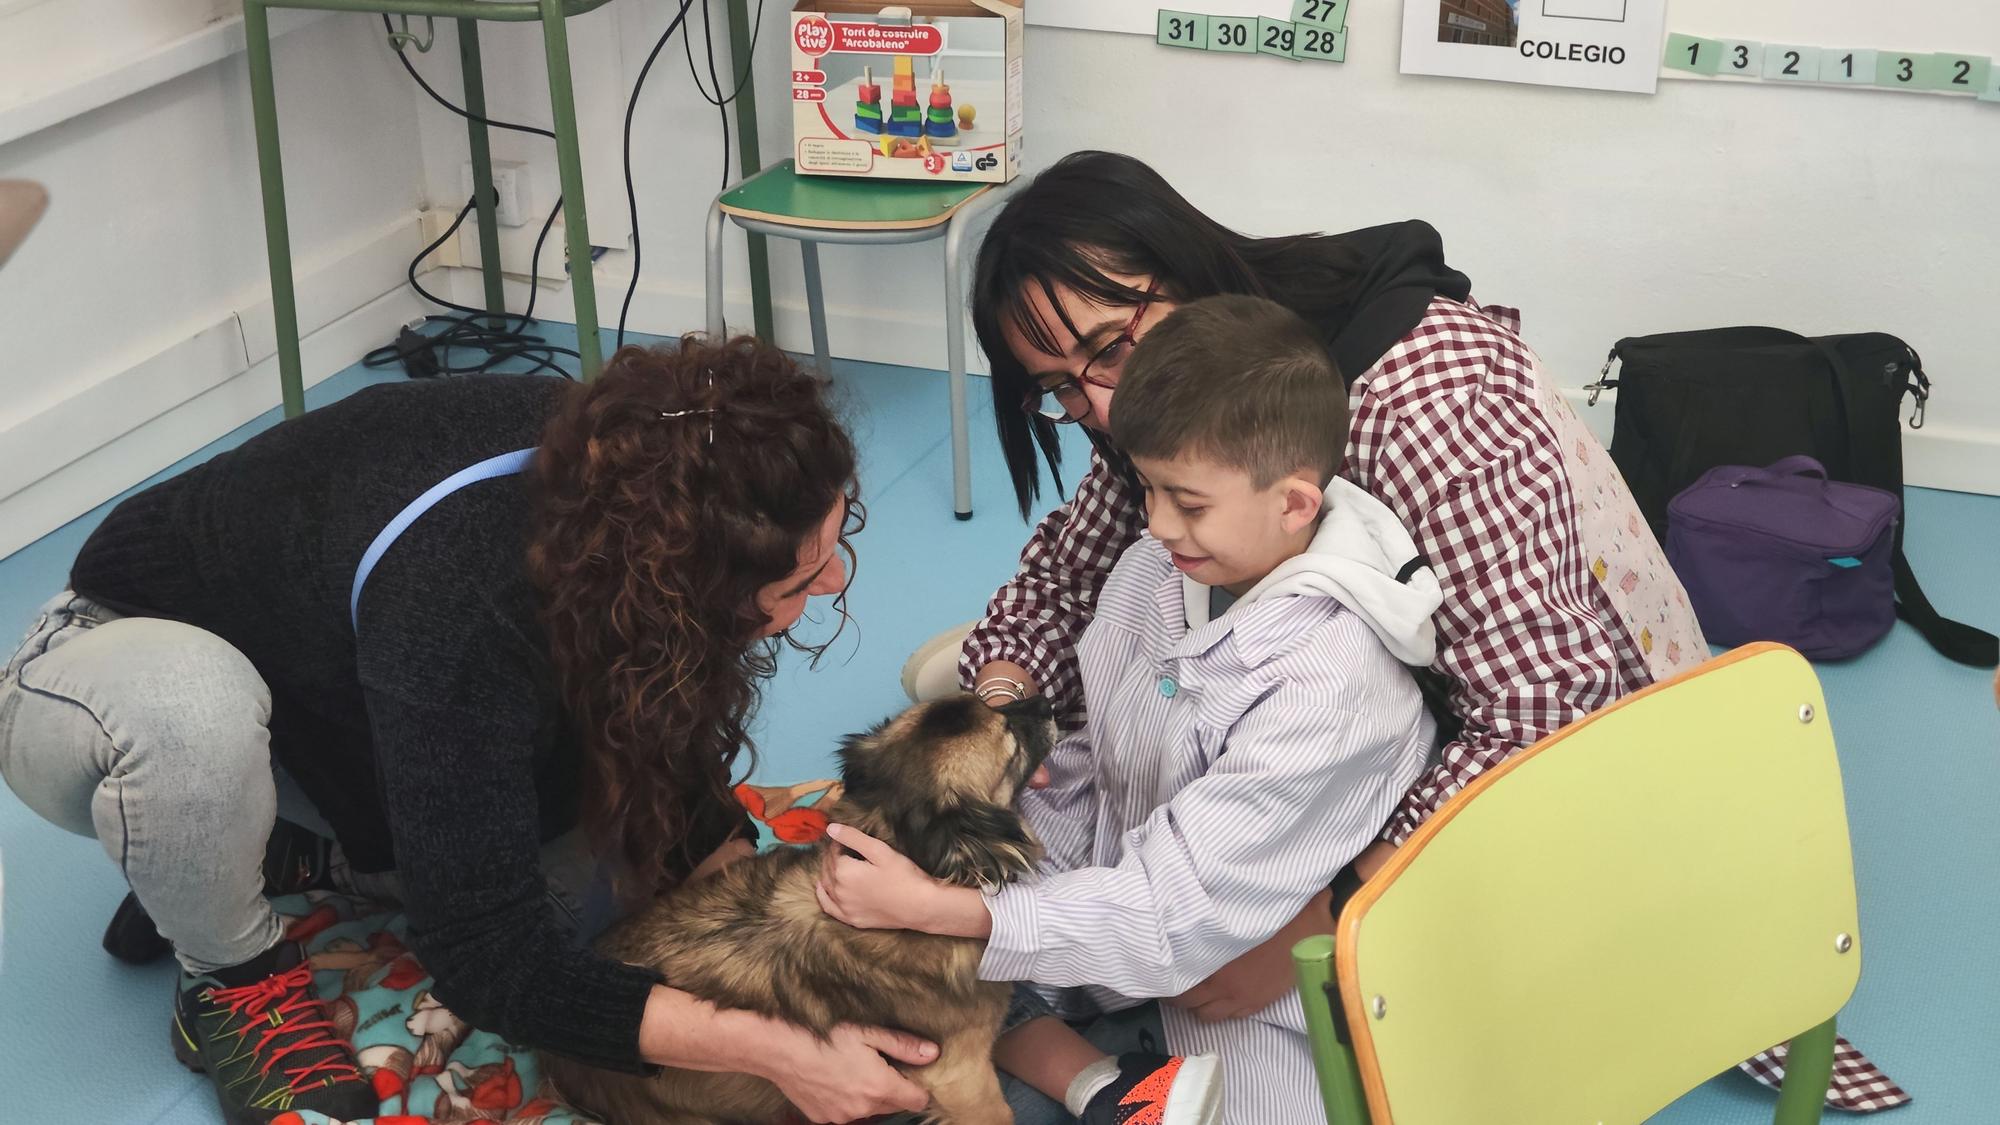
pixel 512 184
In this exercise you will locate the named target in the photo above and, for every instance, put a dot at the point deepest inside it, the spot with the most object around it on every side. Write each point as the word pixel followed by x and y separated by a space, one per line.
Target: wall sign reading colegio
pixel 1594 44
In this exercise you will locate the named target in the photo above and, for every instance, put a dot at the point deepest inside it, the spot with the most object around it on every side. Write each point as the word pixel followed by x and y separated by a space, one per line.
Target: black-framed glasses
pixel 1064 400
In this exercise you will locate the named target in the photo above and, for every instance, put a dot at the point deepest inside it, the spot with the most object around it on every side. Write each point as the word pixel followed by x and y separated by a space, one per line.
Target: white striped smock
pixel 1227 773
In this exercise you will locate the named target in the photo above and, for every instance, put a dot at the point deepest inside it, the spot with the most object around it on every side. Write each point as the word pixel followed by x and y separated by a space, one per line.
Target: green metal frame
pixel 562 98
pixel 1808 1071
pixel 748 161
pixel 1333 1054
pixel 1801 1100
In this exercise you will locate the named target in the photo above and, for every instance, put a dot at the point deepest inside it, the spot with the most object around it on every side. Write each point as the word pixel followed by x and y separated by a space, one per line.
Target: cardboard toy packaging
pixel 924 91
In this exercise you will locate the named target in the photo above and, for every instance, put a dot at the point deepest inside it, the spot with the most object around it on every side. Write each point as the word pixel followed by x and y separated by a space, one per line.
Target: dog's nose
pixel 1033 708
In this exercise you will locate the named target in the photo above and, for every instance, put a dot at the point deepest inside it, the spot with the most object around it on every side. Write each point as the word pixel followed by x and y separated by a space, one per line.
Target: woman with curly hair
pixel 447 623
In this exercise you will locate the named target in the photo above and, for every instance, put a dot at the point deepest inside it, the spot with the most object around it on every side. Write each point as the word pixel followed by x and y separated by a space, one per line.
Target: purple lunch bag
pixel 1784 554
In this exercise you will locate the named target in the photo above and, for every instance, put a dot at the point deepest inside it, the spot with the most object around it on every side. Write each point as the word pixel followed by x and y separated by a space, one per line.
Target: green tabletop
pixel 779 194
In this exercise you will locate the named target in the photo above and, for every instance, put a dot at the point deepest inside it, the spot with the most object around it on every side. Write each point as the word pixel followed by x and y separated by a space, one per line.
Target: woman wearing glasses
pixel 1557 597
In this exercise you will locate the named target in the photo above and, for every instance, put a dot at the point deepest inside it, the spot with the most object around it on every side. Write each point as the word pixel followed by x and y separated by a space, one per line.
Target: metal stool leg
pixel 482 165
pixel 713 239
pixel 277 235
pixel 954 335
pixel 562 98
pixel 748 160
pixel 816 306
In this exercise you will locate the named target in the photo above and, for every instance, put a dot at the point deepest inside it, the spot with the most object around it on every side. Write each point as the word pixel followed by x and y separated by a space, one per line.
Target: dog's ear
pixel 857 768
pixel 972 845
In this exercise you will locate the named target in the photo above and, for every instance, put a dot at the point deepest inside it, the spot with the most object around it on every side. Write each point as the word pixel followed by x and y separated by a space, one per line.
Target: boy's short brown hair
pixel 1241 381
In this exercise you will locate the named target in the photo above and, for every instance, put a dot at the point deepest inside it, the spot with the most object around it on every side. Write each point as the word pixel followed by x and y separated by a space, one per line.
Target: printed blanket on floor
pixel 427 1066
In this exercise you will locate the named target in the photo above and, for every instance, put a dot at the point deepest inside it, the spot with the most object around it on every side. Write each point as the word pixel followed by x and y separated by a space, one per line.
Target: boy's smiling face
pixel 1221 529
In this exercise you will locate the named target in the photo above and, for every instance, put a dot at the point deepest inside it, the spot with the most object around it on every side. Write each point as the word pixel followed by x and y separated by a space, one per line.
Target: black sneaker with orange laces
pixel 1160 1090
pixel 266 1042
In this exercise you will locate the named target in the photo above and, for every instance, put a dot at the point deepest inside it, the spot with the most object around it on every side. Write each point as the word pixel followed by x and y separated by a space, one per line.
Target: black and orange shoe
pixel 267 1043
pixel 1160 1090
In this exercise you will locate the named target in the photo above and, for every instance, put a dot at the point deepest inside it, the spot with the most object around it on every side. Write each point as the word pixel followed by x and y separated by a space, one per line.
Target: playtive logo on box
pixel 886 39
pixel 814 35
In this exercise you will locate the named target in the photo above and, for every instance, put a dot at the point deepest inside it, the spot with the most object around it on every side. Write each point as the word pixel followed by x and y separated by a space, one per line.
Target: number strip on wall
pixel 1936 72
pixel 1316 31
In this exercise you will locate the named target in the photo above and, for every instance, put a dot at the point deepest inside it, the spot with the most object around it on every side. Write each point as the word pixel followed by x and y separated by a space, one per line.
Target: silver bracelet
pixel 1000 685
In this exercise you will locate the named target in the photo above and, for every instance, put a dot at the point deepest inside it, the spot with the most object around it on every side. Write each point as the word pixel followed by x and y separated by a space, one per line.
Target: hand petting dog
pixel 883 890
pixel 824 1017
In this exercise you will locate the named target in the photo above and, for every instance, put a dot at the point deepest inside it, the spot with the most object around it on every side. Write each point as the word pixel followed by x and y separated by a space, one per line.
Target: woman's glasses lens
pixel 1046 403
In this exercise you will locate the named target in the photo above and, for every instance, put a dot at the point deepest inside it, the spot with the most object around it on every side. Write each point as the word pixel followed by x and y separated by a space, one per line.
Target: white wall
pixel 48 44
pixel 140 307
pixel 135 323
pixel 677 170
pixel 1601 215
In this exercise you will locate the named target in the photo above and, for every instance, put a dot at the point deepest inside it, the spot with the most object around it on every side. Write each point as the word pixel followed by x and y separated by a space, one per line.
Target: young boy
pixel 1251 727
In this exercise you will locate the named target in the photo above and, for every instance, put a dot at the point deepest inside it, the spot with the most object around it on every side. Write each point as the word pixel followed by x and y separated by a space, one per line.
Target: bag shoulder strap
pixel 506 464
pixel 1954 640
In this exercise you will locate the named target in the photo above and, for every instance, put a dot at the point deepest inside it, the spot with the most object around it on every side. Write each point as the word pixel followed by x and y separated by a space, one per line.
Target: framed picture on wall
pixel 1590 44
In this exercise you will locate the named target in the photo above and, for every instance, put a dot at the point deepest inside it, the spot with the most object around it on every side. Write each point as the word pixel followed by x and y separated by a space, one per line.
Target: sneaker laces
pixel 283 1004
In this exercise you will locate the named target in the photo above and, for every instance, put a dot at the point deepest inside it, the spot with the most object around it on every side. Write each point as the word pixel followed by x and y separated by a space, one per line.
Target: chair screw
pixel 1842 943
pixel 1380 1007
pixel 1805 712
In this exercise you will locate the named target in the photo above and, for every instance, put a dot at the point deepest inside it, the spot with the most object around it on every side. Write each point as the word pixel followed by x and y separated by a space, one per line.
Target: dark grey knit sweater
pixel 436 745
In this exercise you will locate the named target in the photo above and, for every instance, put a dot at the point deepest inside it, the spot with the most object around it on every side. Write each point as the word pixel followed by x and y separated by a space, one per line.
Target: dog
pixel 939 783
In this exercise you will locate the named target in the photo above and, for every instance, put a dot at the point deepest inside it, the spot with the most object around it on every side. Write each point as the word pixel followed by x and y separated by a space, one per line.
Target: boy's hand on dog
pixel 883 890
pixel 845 1078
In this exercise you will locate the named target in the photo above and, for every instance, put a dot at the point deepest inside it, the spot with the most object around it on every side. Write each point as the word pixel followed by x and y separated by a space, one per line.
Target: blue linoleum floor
pixel 84 1038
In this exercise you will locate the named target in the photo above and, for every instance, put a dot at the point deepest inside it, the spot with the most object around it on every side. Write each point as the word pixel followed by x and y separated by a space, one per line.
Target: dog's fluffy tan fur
pixel 938 782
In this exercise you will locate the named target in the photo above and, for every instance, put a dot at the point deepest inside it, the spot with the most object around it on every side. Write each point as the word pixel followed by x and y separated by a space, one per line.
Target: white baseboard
pixel 61 458
pixel 1956 459
pixel 672 307
pixel 1959 460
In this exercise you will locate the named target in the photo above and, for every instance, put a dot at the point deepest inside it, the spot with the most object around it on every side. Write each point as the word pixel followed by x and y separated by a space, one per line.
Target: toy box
pixel 924 91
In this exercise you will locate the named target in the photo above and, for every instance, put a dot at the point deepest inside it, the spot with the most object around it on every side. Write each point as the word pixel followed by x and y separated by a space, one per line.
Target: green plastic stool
pixel 779 202
pixel 468 13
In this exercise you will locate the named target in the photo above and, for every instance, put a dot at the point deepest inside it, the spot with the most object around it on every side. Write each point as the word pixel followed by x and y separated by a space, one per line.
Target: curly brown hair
pixel 669 491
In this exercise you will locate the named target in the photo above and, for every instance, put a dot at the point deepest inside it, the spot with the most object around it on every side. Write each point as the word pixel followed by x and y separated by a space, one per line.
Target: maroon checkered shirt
pixel 1447 431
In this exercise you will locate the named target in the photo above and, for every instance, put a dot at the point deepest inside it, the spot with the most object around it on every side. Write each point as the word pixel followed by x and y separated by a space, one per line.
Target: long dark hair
pixel 1095 213
pixel 670 491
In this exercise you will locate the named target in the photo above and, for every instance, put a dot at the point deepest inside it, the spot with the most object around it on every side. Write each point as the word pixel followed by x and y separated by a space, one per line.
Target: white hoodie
pixel 1356 557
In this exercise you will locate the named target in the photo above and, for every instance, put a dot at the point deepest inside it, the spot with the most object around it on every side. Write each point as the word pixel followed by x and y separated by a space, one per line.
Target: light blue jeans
pixel 151 736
